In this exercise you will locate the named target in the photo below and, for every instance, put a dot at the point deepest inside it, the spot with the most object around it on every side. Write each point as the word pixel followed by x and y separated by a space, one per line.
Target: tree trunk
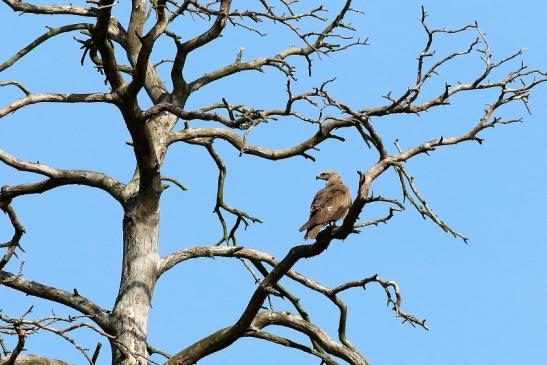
pixel 139 274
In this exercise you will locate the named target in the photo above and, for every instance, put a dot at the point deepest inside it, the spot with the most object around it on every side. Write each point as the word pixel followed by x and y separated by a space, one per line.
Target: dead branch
pixel 19 230
pixel 75 301
pixel 57 325
pixel 56 178
pixel 221 204
pixel 265 319
pixel 292 344
pixel 399 207
pixel 52 32
pixel 23 7
pixel 330 294
pixel 422 206
pixel 58 98
pixel 152 133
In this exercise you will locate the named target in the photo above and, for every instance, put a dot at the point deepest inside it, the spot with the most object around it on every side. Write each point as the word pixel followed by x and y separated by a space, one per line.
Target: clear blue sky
pixel 484 302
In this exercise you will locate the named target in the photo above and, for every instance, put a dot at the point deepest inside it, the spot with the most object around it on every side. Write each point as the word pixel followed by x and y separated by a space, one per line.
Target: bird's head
pixel 327 175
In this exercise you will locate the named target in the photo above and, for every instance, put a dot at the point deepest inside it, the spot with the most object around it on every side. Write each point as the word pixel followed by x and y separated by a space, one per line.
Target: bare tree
pixel 123 51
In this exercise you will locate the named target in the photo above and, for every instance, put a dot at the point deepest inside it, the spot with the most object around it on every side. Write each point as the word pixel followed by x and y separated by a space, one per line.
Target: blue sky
pixel 484 302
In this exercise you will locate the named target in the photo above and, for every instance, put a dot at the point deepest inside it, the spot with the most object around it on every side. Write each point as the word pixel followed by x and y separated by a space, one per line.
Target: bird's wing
pixel 327 204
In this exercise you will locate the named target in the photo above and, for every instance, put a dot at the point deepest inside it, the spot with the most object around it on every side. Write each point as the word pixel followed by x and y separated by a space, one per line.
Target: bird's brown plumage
pixel 330 204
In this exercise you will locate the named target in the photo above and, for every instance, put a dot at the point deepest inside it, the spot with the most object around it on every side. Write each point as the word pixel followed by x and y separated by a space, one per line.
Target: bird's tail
pixel 310 223
pixel 306 225
pixel 312 233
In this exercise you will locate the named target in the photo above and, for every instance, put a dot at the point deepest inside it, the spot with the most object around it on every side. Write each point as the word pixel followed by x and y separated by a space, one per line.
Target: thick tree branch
pixel 56 178
pixel 146 43
pixel 35 360
pixel 293 299
pixel 265 319
pixel 100 41
pixel 144 144
pixel 331 294
pixel 213 32
pixel 288 320
pixel 23 7
pixel 180 86
pixel 59 98
pixel 72 300
pixel 21 339
pixel 151 133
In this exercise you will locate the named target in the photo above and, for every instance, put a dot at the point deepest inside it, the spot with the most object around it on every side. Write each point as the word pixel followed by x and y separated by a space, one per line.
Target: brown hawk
pixel 330 204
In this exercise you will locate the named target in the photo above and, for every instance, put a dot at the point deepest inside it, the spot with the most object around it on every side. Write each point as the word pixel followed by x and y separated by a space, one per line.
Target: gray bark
pixel 140 270
pixel 34 360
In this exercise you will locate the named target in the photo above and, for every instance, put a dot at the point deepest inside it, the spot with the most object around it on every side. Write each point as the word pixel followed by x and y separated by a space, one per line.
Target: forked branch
pixel 240 215
pixel 13 244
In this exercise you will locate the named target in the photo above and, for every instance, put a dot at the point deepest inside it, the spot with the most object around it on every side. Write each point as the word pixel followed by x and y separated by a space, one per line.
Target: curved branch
pixel 33 360
pixel 21 339
pixel 72 300
pixel 180 87
pixel 227 336
pixel 18 85
pixel 49 34
pixel 288 320
pixel 265 319
pixel 221 204
pixel 386 285
pixel 398 208
pixel 59 98
pixel 422 207
pixel 142 65
pixel 57 177
pixel 99 38
pixel 175 182
pixel 270 337
pixel 240 143
pixel 278 60
pixel 213 32
pixel 404 103
pixel 331 294
pixel 50 9
pixel 19 230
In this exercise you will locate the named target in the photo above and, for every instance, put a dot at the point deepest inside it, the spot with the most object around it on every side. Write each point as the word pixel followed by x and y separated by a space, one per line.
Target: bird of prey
pixel 330 204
